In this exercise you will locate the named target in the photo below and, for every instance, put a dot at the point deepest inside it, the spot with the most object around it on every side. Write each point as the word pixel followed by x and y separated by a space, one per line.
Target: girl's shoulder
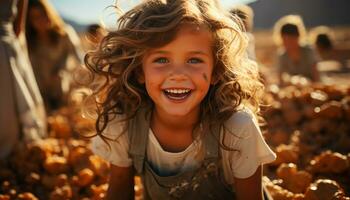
pixel 242 122
pixel 115 127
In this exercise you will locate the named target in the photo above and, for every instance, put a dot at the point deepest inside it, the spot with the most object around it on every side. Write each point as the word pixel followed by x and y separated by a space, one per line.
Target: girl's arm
pixel 249 188
pixel 121 183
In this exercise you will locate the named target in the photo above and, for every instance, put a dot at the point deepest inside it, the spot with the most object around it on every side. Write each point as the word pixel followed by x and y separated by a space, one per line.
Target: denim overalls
pixel 206 182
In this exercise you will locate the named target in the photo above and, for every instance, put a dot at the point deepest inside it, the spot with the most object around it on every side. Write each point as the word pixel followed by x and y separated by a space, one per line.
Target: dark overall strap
pixel 138 130
pixel 211 142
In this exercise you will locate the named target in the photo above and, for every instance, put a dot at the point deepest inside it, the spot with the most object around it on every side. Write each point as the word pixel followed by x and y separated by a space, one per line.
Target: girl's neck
pixel 173 133
pixel 175 123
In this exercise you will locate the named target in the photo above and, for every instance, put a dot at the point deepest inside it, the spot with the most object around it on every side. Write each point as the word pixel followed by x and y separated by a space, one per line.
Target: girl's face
pixel 178 75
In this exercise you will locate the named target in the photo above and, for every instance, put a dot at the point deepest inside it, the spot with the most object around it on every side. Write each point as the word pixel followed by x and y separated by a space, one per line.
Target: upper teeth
pixel 177 91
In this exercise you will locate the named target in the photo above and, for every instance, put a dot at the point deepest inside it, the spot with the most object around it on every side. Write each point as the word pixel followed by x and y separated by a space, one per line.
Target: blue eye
pixel 161 60
pixel 195 60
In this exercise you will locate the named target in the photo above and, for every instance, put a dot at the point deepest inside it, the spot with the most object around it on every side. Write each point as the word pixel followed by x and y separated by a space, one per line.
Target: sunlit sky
pixel 92 11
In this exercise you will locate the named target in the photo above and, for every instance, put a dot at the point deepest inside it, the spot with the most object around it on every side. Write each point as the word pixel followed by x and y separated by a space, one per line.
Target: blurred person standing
pixel 54 51
pixel 246 14
pixel 22 115
pixel 294 56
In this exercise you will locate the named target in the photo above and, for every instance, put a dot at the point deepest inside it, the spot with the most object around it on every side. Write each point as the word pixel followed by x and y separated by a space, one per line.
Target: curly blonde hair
pixel 154 23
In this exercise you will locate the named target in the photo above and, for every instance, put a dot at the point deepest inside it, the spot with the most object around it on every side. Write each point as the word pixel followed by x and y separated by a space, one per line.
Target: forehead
pixel 189 37
pixel 193 29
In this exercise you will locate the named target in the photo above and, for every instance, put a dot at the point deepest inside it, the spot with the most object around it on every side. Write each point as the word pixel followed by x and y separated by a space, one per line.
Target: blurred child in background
pixel 322 38
pixel 94 34
pixel 294 56
pixel 54 51
pixel 246 14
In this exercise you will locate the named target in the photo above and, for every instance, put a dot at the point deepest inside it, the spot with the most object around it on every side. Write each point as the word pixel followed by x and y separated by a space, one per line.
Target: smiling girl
pixel 177 103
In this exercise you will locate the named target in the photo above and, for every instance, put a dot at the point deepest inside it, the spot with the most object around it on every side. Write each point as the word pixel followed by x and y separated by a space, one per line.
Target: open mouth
pixel 177 94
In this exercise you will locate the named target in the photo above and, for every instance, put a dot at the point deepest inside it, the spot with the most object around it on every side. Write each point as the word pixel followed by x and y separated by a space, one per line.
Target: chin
pixel 178 112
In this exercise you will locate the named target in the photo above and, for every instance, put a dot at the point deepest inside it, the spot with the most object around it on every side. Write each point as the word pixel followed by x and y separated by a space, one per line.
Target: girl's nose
pixel 178 72
pixel 178 76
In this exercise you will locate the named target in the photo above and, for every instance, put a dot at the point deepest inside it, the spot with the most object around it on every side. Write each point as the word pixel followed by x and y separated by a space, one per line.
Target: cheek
pixel 202 79
pixel 153 80
pixel 153 89
pixel 205 77
pixel 206 74
pixel 151 75
pixel 151 83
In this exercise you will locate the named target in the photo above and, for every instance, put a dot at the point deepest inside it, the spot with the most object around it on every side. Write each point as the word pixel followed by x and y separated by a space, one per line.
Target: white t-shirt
pixel 247 139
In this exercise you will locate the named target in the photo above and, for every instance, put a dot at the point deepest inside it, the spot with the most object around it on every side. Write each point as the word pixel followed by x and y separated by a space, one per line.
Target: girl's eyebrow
pixel 167 52
pixel 198 52
pixel 159 52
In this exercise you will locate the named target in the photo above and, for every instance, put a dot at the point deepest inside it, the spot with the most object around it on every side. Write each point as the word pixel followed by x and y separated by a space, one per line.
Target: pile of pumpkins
pixel 307 125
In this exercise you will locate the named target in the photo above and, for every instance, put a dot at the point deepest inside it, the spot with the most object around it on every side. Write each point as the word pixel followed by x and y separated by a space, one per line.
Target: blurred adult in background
pixel 22 113
pixel 54 51
pixel 246 14
pixel 294 56
pixel 322 38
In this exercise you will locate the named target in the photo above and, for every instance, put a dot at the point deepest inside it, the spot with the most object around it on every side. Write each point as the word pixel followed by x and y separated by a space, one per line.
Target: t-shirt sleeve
pixel 250 148
pixel 115 148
